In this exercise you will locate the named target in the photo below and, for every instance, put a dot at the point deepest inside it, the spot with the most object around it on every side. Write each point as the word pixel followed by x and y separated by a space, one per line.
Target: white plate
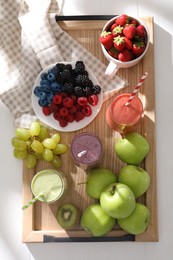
pixel 50 121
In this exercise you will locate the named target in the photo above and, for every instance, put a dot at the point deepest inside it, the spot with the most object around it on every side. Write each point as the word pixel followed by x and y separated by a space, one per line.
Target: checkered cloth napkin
pixel 30 41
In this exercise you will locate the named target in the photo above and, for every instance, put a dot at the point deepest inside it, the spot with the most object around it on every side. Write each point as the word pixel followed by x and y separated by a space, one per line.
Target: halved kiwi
pixel 67 215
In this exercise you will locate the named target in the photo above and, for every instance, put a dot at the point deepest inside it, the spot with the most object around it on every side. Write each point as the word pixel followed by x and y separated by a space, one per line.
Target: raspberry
pixel 74 99
pixel 93 100
pixel 79 116
pixel 46 111
pixel 96 89
pixel 70 118
pixel 68 102
pixel 57 116
pixel 63 111
pixel 73 110
pixel 63 122
pixel 82 101
pixel 87 111
pixel 53 108
pixel 57 99
pixel 63 95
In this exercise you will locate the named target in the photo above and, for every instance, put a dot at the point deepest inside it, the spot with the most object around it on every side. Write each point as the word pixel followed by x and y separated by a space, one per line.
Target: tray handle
pixel 49 239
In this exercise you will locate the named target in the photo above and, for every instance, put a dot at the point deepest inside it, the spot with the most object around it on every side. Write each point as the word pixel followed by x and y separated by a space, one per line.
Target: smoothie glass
pixel 87 150
pixel 51 183
pixel 124 118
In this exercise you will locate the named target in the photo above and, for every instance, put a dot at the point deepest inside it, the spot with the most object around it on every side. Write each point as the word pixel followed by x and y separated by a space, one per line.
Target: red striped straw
pixel 137 88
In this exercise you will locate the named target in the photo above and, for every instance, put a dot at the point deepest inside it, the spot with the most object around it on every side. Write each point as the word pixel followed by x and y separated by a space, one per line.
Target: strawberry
pixel 129 31
pixel 138 48
pixel 122 20
pixel 128 43
pixel 140 31
pixel 119 43
pixel 106 39
pixel 118 30
pixel 113 52
pixel 125 55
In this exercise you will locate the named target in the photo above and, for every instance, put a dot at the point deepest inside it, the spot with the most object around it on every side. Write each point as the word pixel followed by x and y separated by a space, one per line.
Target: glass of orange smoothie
pixel 124 118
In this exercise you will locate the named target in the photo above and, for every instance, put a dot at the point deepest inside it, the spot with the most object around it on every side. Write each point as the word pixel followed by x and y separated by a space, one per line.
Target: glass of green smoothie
pixel 51 184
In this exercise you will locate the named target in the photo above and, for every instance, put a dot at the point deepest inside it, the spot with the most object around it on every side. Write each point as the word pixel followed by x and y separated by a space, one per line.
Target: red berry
pixel 70 118
pixel 53 108
pixel 128 43
pixel 73 110
pixel 129 31
pixel 82 101
pixel 57 99
pixel 63 111
pixel 122 20
pixel 63 122
pixel 125 55
pixel 87 111
pixel 57 116
pixel 68 102
pixel 78 116
pixel 74 99
pixel 63 95
pixel 119 43
pixel 93 100
pixel 46 111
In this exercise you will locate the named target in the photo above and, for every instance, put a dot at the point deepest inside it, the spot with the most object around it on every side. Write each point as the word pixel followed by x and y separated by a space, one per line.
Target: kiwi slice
pixel 67 215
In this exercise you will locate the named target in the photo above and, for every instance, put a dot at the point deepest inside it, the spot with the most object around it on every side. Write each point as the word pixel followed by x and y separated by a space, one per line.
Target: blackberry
pixel 60 66
pixel 96 89
pixel 59 79
pixel 68 67
pixel 82 80
pixel 65 74
pixel 68 87
pixel 87 91
pixel 78 91
pixel 79 67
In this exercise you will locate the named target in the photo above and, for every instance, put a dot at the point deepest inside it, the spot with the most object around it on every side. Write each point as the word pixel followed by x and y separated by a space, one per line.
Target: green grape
pixel 22 133
pixel 18 144
pixel 60 148
pixel 37 146
pixel 35 128
pixel 56 137
pixel 30 161
pixel 47 155
pixel 49 143
pixel 28 144
pixel 56 162
pixel 38 156
pixel 44 133
pixel 20 154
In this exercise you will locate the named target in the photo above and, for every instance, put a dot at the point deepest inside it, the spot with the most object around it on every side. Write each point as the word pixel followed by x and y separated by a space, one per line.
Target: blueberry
pixel 55 87
pixel 50 98
pixel 43 75
pixel 46 89
pixel 42 95
pixel 43 102
pixel 51 76
pixel 44 82
pixel 37 90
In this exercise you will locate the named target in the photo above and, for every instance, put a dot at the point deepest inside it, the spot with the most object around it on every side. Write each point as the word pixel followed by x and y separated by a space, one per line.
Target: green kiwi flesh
pixel 67 215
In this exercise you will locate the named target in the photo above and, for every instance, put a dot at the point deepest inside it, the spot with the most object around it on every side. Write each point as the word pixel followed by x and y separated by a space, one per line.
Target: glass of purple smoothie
pixel 87 150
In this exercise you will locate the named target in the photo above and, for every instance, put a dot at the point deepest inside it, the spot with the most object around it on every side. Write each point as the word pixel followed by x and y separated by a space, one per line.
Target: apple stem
pixel 113 189
pixel 84 182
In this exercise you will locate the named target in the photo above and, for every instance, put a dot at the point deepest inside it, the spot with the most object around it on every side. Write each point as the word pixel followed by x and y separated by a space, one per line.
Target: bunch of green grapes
pixel 36 143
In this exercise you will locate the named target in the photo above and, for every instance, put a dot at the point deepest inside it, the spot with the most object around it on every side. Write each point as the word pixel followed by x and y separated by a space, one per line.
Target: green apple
pixel 136 178
pixel 137 222
pixel 95 221
pixel 132 148
pixel 97 180
pixel 117 200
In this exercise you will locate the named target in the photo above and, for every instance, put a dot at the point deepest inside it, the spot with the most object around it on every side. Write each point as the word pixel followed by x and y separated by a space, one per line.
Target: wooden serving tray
pixel 39 221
